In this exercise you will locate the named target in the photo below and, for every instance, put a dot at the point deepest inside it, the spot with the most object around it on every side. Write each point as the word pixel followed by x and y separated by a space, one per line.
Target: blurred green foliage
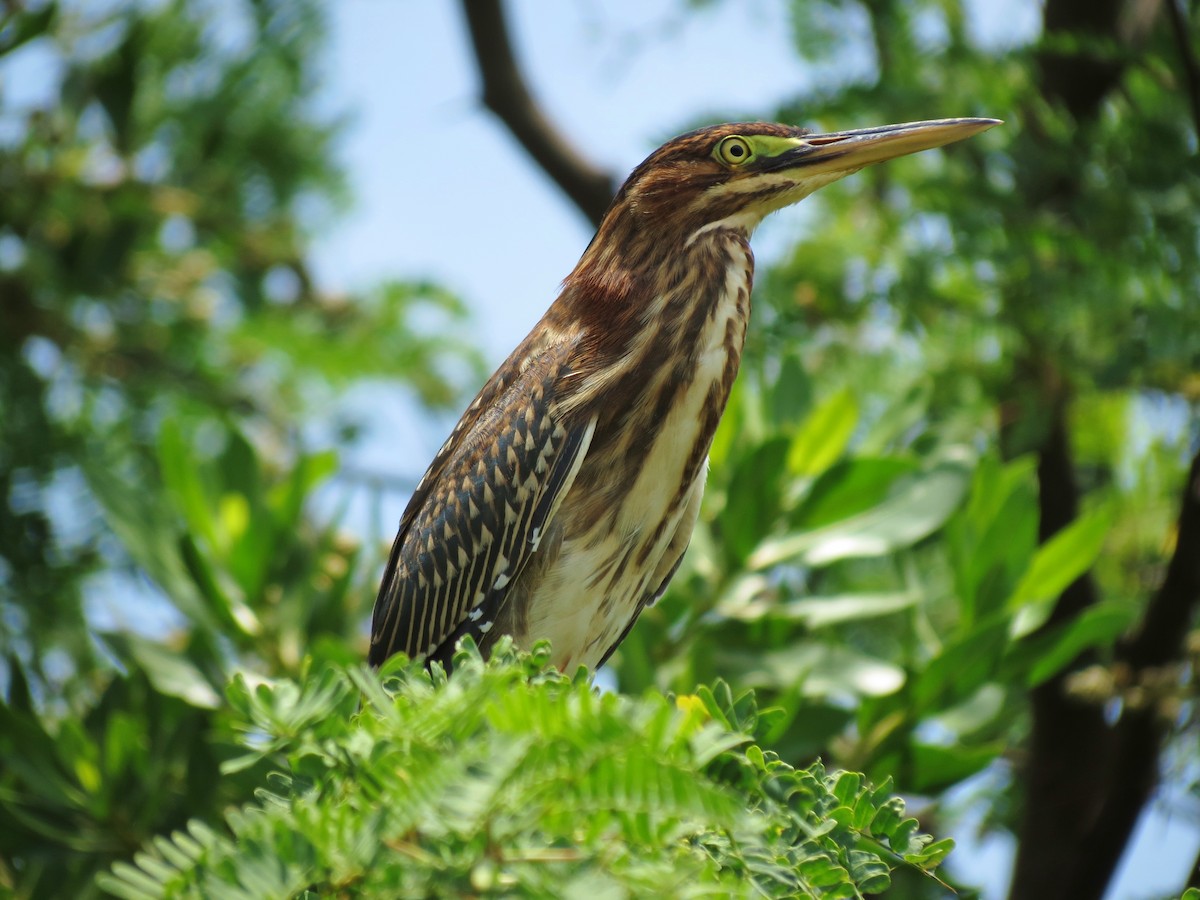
pixel 155 208
pixel 162 343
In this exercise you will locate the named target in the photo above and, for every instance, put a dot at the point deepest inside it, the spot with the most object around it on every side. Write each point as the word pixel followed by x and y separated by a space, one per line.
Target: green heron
pixel 565 497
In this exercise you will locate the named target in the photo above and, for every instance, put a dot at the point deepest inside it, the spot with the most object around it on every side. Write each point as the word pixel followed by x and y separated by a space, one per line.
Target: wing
pixel 478 513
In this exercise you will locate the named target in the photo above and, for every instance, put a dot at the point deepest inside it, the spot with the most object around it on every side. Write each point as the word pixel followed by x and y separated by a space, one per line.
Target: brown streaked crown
pixel 685 165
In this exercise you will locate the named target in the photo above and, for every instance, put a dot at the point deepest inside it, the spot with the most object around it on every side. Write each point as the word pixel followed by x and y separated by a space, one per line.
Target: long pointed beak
pixel 848 151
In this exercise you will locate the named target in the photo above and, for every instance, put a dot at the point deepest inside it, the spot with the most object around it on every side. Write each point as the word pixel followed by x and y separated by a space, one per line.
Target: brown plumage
pixel 564 499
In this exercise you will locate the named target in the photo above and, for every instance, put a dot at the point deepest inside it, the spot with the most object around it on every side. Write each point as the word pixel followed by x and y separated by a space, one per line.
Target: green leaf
pixel 1098 625
pixel 810 727
pixel 181 472
pixel 754 498
pixel 41 762
pixel 846 787
pixel 130 883
pixel 851 486
pixel 822 670
pixel 791 394
pixel 821 612
pixel 888 817
pixel 149 533
pixel 961 668
pixel 991 541
pixel 824 435
pixel 1057 563
pixel 287 499
pixel 715 708
pixel 231 611
pixel 931 855
pixel 936 767
pixel 170 672
pixel 17 695
pixel 973 714
pixel 913 512
pixel 559 782
pixel 26 26
pixel 907 410
pixel 870 873
pixel 376 338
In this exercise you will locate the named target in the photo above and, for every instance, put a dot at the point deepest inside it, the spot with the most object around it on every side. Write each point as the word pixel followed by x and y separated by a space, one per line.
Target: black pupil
pixel 736 150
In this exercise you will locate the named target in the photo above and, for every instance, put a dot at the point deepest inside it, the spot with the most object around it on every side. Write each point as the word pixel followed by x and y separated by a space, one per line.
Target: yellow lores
pixel 564 499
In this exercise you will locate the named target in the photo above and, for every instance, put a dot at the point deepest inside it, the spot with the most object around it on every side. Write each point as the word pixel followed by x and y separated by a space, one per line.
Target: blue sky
pixel 443 191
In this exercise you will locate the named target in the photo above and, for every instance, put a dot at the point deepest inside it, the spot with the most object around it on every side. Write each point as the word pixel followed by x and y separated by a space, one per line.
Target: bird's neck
pixel 638 284
pixel 660 359
pixel 677 316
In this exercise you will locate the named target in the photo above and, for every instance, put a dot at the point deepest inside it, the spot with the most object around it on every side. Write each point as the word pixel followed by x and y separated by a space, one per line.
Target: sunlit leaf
pixel 1096 626
pixel 820 612
pixel 913 512
pixel 169 671
pixel 972 714
pixel 821 670
pixel 851 486
pixel 822 437
pixel 1057 563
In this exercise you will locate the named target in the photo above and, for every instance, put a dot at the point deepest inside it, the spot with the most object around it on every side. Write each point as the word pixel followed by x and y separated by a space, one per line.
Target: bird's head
pixel 725 179
pixel 733 175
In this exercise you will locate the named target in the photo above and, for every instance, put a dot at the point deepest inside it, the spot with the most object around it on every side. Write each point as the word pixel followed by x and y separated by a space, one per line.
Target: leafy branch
pixel 513 778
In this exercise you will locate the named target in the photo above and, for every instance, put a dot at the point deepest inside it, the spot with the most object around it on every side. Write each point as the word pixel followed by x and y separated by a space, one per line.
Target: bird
pixel 562 502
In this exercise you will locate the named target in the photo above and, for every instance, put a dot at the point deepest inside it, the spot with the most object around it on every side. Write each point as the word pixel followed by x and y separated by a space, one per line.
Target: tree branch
pixel 1067 743
pixel 506 94
pixel 1160 639
pixel 1187 56
pixel 1086 780
pixel 1140 732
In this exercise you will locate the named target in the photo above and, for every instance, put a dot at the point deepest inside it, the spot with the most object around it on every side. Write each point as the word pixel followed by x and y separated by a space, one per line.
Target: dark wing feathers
pixel 476 516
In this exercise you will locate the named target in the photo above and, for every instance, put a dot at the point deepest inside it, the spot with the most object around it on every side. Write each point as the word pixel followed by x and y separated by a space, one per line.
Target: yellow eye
pixel 734 150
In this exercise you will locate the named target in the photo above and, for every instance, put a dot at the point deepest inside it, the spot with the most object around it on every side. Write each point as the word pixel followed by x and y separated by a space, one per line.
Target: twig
pixel 1191 68
pixel 1160 638
pixel 506 94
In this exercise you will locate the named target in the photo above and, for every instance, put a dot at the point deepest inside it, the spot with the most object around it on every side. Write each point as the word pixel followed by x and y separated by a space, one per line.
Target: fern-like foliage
pixel 512 779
